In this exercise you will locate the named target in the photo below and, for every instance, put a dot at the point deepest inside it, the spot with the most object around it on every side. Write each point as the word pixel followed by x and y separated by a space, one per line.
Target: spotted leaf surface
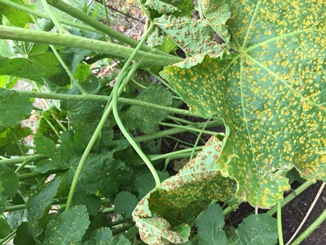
pixel 271 92
pixel 184 196
pixel 195 36
pixel 68 228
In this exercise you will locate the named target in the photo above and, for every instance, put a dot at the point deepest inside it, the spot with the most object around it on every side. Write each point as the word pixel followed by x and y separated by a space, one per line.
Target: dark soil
pixel 294 212
pixel 292 215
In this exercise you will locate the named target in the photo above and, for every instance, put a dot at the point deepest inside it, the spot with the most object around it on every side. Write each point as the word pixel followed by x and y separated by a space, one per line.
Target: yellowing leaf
pixel 184 196
pixel 270 92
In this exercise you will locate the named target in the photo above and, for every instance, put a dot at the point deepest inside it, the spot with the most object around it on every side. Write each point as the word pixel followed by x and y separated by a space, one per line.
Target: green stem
pixel 119 122
pixel 45 16
pixel 106 13
pixel 33 158
pixel 219 123
pixel 56 53
pixel 8 238
pixel 34 174
pixel 116 92
pixel 93 97
pixel 15 207
pixel 175 154
pixel 71 76
pixel 164 82
pixel 199 136
pixel 122 229
pixel 69 40
pixel 279 224
pixel 52 17
pixel 310 229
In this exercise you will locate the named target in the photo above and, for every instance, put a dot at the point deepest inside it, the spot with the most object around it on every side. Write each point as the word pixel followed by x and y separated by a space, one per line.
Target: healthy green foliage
pixel 125 203
pixel 104 236
pixel 210 225
pixel 255 229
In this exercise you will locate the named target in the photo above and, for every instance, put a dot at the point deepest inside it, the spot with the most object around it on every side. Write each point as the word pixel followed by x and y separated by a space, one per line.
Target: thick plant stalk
pixel 21 34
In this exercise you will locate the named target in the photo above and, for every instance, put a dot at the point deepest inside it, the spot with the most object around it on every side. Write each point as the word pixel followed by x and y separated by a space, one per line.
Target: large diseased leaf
pixel 270 92
pixel 184 196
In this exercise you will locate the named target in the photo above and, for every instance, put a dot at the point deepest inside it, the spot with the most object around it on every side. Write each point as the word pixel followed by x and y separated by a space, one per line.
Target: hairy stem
pixel 21 34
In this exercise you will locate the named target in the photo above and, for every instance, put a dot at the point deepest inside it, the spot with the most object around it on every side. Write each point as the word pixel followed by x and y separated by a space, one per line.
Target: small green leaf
pixel 8 144
pixel 68 228
pixel 210 225
pixel 37 206
pixel 35 68
pixel 45 146
pixel 124 203
pixel 83 115
pixel 23 237
pixel 92 203
pixel 144 118
pixel 255 229
pixel 5 228
pixel 61 157
pixel 145 183
pixel 13 107
pixel 102 173
pixel 9 184
pixel 104 235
